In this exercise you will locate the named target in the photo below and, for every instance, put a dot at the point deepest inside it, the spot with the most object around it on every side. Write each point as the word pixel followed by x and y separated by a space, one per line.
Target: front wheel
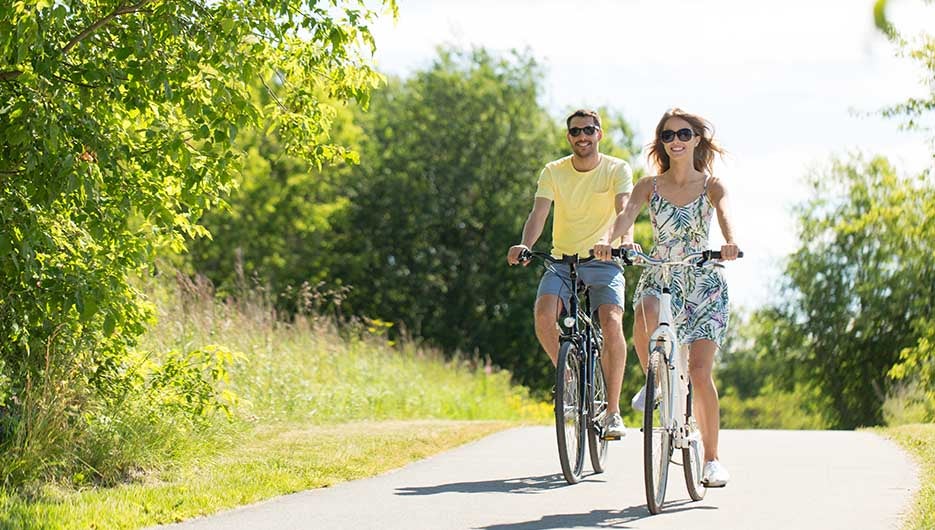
pixel 657 437
pixel 597 413
pixel 693 457
pixel 569 413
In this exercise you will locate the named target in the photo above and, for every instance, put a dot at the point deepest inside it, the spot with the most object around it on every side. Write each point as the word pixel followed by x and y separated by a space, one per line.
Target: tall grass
pixel 308 370
pixel 265 372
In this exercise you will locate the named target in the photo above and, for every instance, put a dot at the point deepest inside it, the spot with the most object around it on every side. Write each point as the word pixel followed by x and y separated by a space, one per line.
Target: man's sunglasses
pixel 589 130
pixel 684 135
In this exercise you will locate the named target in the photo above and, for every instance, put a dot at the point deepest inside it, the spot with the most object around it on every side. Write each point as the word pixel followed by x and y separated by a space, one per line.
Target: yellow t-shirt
pixel 583 202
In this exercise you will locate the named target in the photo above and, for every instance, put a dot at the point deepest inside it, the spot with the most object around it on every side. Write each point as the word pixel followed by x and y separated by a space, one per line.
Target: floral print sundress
pixel 699 294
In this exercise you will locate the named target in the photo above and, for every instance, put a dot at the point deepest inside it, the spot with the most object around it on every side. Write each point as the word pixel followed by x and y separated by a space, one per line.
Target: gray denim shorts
pixel 604 279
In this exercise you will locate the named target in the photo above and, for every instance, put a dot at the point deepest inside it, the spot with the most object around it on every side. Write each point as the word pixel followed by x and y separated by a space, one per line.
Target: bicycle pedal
pixel 611 438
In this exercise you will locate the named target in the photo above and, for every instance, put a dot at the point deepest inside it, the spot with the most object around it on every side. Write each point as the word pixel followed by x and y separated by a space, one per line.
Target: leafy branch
pixel 123 10
pixel 10 74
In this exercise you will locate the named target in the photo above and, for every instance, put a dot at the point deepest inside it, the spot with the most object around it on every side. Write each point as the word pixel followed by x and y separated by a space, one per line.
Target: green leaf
pixel 88 309
pixel 109 324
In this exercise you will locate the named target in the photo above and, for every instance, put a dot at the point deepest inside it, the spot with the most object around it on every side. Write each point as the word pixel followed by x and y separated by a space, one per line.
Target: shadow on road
pixel 597 518
pixel 510 485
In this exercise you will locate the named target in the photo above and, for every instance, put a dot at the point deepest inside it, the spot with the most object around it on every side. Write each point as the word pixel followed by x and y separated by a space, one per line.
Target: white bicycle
pixel 668 423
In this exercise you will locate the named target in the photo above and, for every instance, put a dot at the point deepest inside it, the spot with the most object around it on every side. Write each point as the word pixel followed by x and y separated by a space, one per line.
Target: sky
pixel 788 85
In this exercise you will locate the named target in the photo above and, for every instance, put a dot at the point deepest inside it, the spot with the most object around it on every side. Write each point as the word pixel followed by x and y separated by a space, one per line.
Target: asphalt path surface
pixel 512 481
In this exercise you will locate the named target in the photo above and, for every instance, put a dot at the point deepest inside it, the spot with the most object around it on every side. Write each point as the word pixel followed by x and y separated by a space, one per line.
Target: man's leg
pixel 614 359
pixel 548 307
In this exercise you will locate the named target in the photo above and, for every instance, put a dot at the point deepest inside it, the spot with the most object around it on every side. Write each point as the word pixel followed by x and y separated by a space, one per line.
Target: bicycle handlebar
pixel 527 255
pixel 627 255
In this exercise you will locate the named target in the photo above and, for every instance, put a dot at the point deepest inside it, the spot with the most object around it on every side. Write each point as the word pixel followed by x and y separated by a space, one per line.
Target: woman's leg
pixel 705 399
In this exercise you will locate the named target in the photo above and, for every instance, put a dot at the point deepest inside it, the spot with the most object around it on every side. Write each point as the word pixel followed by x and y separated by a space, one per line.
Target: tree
pixel 920 48
pixel 917 362
pixel 416 235
pixel 860 289
pixel 447 177
pixel 277 232
pixel 117 130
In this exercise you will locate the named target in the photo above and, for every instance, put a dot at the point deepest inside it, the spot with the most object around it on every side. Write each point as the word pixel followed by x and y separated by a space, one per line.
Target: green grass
pixel 315 405
pixel 311 372
pixel 278 460
pixel 919 440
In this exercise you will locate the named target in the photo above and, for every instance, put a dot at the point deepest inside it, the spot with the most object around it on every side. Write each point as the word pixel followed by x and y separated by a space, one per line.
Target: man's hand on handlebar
pixel 512 257
pixel 602 251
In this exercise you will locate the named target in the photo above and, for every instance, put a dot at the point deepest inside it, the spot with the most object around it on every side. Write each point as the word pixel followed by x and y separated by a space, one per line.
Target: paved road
pixel 511 481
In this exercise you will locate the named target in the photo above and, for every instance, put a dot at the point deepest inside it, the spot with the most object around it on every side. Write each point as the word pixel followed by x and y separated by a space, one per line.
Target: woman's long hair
pixel 704 152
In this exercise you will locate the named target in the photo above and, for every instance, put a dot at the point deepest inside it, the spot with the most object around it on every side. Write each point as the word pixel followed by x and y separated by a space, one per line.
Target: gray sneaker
pixel 613 427
pixel 639 399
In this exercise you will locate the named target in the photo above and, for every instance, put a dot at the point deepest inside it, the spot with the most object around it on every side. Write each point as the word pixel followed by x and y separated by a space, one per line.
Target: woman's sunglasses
pixel 589 130
pixel 684 135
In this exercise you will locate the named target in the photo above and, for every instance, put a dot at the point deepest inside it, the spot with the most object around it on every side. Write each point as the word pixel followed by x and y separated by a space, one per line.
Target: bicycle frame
pixel 676 362
pixel 583 336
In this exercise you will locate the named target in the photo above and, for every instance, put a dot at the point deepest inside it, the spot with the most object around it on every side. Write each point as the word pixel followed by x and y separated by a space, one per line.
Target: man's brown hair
pixel 583 113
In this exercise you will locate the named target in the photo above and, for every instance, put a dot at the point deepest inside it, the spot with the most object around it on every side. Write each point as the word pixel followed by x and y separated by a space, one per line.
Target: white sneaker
pixel 613 428
pixel 639 399
pixel 715 475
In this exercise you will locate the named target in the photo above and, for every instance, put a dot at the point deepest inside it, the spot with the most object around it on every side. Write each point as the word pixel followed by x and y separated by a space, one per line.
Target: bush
pixel 774 409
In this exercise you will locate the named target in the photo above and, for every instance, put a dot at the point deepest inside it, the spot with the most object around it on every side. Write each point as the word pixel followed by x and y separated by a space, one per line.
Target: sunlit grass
pixel 277 460
pixel 310 371
pixel 315 405
pixel 919 440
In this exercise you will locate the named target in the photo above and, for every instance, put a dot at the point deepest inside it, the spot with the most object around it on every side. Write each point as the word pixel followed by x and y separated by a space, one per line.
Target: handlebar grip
pixel 622 254
pixel 716 254
pixel 524 256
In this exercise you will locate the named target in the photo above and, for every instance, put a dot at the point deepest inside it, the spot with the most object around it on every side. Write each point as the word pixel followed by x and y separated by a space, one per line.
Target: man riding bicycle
pixel 589 189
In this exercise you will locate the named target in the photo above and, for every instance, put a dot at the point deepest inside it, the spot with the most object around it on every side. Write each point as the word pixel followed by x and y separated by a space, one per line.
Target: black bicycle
pixel 580 388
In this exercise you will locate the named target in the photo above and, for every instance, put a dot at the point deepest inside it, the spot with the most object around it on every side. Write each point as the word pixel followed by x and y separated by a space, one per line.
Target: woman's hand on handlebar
pixel 512 257
pixel 631 246
pixel 729 251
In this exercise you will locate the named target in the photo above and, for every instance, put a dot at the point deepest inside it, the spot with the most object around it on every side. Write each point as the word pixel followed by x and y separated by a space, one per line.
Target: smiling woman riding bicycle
pixel 682 199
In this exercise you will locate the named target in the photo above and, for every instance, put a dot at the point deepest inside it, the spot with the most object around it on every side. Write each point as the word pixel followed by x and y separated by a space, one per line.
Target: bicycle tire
pixel 693 457
pixel 657 439
pixel 596 413
pixel 570 430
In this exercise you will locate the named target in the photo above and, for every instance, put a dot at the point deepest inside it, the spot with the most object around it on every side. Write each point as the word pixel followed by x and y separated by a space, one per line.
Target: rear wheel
pixel 657 439
pixel 596 415
pixel 569 414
